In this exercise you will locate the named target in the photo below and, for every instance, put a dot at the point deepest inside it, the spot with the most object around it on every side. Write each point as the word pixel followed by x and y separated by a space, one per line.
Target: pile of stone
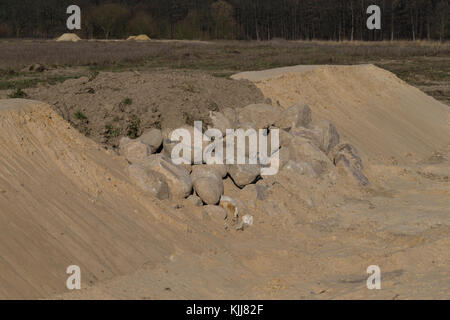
pixel 306 147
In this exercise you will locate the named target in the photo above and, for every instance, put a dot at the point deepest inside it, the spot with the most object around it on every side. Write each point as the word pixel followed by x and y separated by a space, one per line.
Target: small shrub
pixel 134 127
pixel 112 132
pixel 19 93
pixel 127 101
pixel 80 116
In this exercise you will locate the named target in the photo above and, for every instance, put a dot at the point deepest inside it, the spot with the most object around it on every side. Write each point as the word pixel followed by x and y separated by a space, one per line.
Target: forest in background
pixel 337 20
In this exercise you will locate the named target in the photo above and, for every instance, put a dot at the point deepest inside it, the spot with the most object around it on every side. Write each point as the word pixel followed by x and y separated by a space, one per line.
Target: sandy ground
pixel 65 200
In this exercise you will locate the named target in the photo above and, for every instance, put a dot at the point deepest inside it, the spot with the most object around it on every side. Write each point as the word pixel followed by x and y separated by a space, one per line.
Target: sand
pixel 385 118
pixel 65 200
pixel 141 37
pixel 69 37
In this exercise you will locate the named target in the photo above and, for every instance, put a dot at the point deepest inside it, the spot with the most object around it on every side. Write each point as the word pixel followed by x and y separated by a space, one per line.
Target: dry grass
pixel 221 55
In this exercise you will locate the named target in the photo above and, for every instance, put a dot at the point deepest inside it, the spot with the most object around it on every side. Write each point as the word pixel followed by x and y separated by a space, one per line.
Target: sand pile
pixel 69 37
pixel 385 118
pixel 141 227
pixel 65 201
pixel 141 37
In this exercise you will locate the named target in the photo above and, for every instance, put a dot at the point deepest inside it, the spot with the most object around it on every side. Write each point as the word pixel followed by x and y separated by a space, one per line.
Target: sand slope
pixel 380 114
pixel 63 201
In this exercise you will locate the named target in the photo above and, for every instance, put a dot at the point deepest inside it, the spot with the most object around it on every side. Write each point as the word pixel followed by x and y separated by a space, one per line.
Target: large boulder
pixel 193 151
pixel 177 177
pixel 298 115
pixel 209 189
pixel 278 160
pixel 230 145
pixel 135 151
pixel 260 115
pixel 303 150
pixel 347 160
pixel 244 174
pixel 221 122
pixel 207 181
pixel 149 181
pixel 153 138
pixel 195 200
pixel 323 134
pixel 231 115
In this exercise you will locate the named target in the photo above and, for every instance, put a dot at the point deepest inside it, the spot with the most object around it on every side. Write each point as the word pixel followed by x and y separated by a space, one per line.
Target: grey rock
pixel 298 115
pixel 195 200
pixel 153 138
pixel 324 135
pixel 346 157
pixel 221 122
pixel 192 151
pixel 134 150
pixel 302 150
pixel 149 181
pixel 260 115
pixel 209 189
pixel 244 174
pixel 177 177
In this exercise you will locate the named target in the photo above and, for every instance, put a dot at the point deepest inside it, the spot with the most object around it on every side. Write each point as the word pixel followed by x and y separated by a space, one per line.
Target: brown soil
pixel 117 104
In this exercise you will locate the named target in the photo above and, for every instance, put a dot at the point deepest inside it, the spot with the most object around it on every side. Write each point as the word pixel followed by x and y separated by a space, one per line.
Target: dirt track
pixel 64 200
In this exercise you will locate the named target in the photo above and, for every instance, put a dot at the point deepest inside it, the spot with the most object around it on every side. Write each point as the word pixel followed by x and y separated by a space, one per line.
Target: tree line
pixel 230 19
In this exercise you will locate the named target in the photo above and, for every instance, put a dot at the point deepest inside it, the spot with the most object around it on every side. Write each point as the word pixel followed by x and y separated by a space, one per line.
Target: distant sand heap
pixel 69 37
pixel 141 37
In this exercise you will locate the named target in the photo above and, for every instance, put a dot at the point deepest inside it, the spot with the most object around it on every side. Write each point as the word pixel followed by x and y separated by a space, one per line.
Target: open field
pixel 363 178
pixel 422 64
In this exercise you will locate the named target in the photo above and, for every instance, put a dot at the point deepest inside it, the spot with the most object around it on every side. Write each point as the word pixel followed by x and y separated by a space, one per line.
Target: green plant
pixel 19 93
pixel 134 127
pixel 112 132
pixel 127 101
pixel 80 116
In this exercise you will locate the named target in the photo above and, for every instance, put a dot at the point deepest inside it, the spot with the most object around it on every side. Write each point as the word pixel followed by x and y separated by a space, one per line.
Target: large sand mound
pixel 69 37
pixel 63 201
pixel 385 118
